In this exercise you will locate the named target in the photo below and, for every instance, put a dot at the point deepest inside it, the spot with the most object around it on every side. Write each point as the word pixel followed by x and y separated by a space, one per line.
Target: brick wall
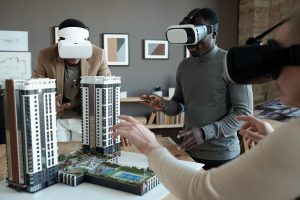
pixel 255 17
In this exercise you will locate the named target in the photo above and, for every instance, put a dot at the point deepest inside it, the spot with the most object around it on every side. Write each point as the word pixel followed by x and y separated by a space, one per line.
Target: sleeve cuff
pixel 166 107
pixel 209 132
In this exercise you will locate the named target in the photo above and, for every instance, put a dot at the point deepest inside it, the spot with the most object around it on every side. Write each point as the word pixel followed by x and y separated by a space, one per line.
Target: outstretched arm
pixel 257 174
pixel 254 129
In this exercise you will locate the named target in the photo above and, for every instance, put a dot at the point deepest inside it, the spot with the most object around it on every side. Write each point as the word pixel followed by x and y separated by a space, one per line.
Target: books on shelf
pixel 159 118
pixel 151 118
pixel 141 119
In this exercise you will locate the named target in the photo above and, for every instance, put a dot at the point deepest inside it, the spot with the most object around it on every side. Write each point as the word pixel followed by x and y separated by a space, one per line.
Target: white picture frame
pixel 156 49
pixel 116 47
pixel 56 38
pixel 15 65
pixel 186 52
pixel 13 41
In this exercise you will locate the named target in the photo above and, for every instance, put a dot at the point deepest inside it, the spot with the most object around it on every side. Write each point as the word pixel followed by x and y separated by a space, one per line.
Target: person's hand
pixel 153 101
pixel 141 137
pixel 125 142
pixel 191 138
pixel 254 129
pixel 61 107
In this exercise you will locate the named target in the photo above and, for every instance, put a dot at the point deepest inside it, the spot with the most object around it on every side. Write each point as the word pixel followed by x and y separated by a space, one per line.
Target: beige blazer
pixel 50 65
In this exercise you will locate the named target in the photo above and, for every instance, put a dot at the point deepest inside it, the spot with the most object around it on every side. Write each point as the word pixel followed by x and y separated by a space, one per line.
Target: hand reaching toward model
pixel 137 134
pixel 254 129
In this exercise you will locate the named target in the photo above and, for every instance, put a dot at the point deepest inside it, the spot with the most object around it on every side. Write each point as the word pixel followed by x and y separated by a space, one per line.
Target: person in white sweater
pixel 254 129
pixel 271 170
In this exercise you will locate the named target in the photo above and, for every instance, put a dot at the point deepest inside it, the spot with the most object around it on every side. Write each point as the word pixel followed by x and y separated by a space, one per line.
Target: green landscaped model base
pixel 104 171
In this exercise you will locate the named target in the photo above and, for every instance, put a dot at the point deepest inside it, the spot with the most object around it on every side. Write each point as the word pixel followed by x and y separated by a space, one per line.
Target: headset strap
pixel 257 40
pixel 189 17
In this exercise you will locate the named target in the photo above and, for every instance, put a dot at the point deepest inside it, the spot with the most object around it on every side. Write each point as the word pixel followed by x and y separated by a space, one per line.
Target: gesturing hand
pixel 153 101
pixel 254 129
pixel 141 137
pixel 191 138
pixel 61 107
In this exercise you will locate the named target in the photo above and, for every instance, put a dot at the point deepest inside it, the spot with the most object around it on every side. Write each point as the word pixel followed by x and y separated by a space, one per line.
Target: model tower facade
pixel 31 133
pixel 100 108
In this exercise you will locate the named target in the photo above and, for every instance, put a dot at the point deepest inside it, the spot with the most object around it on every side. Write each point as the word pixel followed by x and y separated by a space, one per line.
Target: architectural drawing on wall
pixel 13 41
pixel 15 65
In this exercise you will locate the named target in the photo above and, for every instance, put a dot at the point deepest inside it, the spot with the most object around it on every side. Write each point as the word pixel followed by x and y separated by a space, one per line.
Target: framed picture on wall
pixel 156 49
pixel 13 40
pixel 55 30
pixel 116 48
pixel 186 52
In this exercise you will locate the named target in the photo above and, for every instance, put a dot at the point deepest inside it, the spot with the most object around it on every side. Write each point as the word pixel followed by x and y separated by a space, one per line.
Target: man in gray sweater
pixel 209 99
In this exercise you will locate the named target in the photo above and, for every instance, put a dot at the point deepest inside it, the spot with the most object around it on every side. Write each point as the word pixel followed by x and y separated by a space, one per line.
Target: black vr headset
pixel 256 63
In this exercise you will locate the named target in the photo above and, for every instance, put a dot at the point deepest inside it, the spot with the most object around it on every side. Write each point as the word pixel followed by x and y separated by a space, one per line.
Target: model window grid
pixel 50 128
pixel 85 116
pixel 32 131
pixel 28 111
pixel 103 108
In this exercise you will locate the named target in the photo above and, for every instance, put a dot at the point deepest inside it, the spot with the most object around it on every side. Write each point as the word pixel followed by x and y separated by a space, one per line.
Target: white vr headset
pixel 74 43
pixel 187 34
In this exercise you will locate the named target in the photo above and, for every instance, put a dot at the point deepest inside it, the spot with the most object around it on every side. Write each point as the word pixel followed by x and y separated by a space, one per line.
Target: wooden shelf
pixel 152 126
pixel 155 126
pixel 130 99
pixel 135 99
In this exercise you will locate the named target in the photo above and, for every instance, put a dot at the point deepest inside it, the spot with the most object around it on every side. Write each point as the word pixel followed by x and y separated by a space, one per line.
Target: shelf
pixel 154 126
pixel 130 99
pixel 135 99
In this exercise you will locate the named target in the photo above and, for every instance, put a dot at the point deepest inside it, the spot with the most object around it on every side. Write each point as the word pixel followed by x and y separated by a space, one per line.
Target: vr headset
pixel 258 63
pixel 74 43
pixel 188 34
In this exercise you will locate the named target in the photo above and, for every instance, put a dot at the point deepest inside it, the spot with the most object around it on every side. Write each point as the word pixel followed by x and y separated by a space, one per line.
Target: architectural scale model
pixel 31 133
pixel 104 171
pixel 31 138
pixel 100 108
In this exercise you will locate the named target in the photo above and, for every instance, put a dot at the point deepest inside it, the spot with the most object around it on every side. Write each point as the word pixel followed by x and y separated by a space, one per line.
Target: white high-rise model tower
pixel 100 108
pixel 31 133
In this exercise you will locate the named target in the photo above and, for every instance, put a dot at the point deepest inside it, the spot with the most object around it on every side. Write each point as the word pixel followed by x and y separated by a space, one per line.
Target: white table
pixel 88 191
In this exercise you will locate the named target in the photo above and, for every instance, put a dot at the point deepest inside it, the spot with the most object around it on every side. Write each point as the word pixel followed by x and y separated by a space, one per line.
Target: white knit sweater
pixel 271 170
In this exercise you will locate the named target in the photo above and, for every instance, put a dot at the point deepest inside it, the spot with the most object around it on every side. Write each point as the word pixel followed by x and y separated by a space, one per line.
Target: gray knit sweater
pixel 210 101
